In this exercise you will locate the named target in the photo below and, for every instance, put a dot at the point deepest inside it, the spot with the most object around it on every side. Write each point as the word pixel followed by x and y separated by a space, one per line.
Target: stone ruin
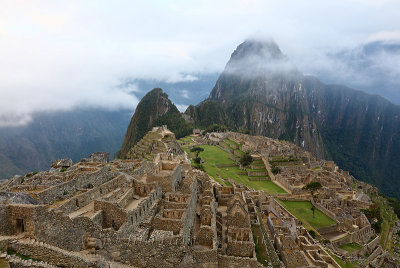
pixel 154 210
pixel 124 213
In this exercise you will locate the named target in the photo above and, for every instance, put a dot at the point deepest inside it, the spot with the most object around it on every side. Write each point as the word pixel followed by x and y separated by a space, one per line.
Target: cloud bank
pixel 62 55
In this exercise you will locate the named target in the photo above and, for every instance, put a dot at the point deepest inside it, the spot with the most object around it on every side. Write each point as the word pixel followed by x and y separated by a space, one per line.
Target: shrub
pixel 275 170
pixel 200 167
pixel 312 233
pixel 314 185
pixel 63 170
pixel 197 160
pixel 196 149
pixel 245 159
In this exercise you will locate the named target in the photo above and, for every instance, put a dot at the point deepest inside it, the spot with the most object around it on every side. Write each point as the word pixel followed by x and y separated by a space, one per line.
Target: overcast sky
pixel 62 54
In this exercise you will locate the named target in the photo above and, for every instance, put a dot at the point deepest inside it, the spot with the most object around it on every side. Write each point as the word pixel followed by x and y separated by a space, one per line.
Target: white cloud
pixel 185 94
pixel 59 55
pixel 181 107
pixel 179 77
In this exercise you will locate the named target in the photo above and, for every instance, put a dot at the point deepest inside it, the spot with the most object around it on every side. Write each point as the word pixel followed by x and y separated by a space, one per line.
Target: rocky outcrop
pixel 155 109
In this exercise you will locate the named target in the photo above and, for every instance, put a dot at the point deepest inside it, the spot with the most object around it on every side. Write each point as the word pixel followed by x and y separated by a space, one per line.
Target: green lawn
pixel 302 210
pixel 213 156
pixel 351 247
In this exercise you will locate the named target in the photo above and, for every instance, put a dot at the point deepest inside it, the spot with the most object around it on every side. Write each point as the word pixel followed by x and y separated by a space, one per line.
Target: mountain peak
pixel 155 109
pixel 257 48
pixel 255 58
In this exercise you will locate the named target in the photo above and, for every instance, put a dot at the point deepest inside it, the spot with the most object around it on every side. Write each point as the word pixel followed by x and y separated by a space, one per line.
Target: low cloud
pixel 182 107
pixel 58 56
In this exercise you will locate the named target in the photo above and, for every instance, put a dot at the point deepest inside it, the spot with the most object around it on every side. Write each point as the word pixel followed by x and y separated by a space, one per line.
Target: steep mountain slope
pixel 262 92
pixel 72 134
pixel 154 109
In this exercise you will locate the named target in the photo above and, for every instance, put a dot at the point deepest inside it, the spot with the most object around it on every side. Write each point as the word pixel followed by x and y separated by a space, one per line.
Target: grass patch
pixel 255 170
pixel 231 142
pixel 261 251
pixel 302 210
pixel 351 247
pixel 213 156
pixel 342 263
pixel 261 164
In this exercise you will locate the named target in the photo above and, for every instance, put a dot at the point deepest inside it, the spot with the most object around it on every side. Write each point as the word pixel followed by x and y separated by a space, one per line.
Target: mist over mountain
pixel 360 132
pixel 183 90
pixel 373 67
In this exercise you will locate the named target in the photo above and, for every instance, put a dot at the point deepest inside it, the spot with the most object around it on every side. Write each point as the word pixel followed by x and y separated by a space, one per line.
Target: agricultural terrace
pixel 213 158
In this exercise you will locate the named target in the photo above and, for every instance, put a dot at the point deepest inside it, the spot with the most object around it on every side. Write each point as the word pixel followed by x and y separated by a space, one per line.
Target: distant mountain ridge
pixel 360 132
pixel 67 134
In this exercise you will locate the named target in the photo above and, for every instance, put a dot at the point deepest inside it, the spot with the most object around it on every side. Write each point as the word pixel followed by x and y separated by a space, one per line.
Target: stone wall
pixel 50 255
pixel 238 262
pixel 167 182
pixel 113 215
pixel 5 223
pixel 85 198
pixel 324 210
pixel 240 248
pixel 373 244
pixel 81 181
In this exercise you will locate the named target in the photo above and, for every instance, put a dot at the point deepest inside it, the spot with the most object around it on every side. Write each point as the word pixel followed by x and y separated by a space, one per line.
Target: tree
pixel 275 170
pixel 313 210
pixel 197 149
pixel 245 159
pixel 314 185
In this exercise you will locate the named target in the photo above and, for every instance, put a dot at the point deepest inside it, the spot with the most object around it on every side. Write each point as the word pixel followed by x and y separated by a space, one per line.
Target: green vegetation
pixel 302 210
pixel 282 158
pixel 275 170
pixel 245 159
pixel 374 216
pixel 24 257
pixel 342 264
pixel 232 142
pixel 197 149
pixel 261 251
pixel 351 247
pixel 63 170
pixel 214 156
pixel 312 186
pixel 175 123
pixel 215 128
